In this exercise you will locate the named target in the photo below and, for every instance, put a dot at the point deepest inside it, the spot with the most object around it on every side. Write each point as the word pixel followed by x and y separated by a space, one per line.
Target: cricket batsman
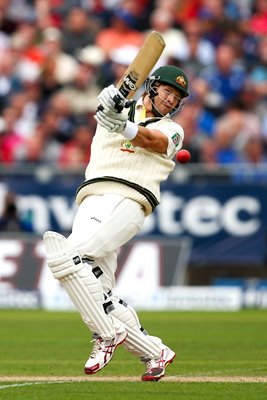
pixel 132 153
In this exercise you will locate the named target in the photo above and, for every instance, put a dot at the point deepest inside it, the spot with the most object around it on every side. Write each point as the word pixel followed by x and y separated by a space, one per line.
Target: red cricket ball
pixel 183 156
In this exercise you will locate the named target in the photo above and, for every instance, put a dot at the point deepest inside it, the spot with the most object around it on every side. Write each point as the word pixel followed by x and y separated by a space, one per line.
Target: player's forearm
pixel 151 140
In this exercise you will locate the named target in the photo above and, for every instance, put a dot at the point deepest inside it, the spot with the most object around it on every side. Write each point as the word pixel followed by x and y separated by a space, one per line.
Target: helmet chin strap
pixel 155 111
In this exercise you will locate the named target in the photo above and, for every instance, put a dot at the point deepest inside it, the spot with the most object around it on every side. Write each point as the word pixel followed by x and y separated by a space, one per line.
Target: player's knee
pixel 60 259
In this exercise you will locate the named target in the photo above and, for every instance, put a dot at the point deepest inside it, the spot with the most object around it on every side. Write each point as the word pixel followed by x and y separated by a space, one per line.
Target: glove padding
pixel 111 99
pixel 112 121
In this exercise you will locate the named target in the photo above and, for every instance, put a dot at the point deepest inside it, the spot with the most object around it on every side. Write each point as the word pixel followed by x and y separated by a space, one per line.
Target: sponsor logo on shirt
pixel 127 146
pixel 176 139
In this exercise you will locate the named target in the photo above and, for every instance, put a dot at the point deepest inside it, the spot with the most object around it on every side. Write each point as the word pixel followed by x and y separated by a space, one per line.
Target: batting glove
pixel 112 121
pixel 111 99
pixel 118 123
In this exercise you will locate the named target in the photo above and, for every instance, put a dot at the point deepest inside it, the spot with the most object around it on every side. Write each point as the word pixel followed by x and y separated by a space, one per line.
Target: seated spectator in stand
pixel 233 130
pixel 141 10
pixel 58 67
pixel 121 32
pixel 181 10
pixel 77 151
pixel 258 74
pixel 94 58
pixel 8 24
pixel 162 21
pixel 186 10
pixel 205 118
pixel 26 117
pixel 9 81
pixel 216 18
pixel 43 147
pixel 224 140
pixel 49 84
pixel 207 153
pixel 19 11
pixel 82 92
pixel 10 140
pixel 79 30
pixel 25 42
pixel 10 219
pixel 197 52
pixel 258 20
pixel 253 152
pixel 61 106
pixel 64 65
pixel 226 78
pixel 253 162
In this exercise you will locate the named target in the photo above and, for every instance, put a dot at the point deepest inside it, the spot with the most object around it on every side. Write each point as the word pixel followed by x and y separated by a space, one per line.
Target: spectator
pixel 82 92
pixel 224 141
pixel 258 75
pixel 7 24
pixel 169 5
pixel 141 11
pixel 78 31
pixel 94 58
pixel 61 106
pixel 77 151
pixel 25 119
pixel 9 81
pixel 43 147
pixel 217 18
pixel 45 17
pixel 63 65
pixel 10 219
pixel 197 52
pixel 233 130
pixel 258 20
pixel 253 152
pixel 208 153
pixel 121 32
pixel 181 10
pixel 226 78
pixel 10 140
pixel 21 11
pixel 162 20
pixel 24 43
pixel 58 67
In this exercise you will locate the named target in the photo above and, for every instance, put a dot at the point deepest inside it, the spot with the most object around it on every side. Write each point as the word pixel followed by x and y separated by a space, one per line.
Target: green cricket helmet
pixel 171 75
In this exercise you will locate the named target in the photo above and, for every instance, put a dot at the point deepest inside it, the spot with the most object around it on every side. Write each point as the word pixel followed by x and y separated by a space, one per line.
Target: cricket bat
pixel 140 67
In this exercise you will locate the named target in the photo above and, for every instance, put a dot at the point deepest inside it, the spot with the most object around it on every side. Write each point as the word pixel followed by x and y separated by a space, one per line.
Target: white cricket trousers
pixel 103 224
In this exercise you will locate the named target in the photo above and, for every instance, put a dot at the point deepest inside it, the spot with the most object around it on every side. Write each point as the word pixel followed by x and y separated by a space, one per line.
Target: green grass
pixel 39 343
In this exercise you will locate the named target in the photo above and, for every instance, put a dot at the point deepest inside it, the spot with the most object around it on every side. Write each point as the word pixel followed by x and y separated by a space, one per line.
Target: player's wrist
pixel 130 131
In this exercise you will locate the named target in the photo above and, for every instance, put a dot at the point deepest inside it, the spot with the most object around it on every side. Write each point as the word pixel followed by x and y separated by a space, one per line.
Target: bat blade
pixel 141 66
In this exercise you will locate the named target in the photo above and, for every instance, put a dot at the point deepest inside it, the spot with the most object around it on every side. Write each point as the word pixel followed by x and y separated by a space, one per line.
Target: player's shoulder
pixel 169 125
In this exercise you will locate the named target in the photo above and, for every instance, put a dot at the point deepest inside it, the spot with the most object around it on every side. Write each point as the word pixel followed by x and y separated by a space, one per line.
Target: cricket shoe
pixel 102 352
pixel 155 369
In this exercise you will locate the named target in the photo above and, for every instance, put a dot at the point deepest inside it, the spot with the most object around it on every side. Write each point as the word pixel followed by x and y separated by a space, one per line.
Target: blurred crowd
pixel 57 55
